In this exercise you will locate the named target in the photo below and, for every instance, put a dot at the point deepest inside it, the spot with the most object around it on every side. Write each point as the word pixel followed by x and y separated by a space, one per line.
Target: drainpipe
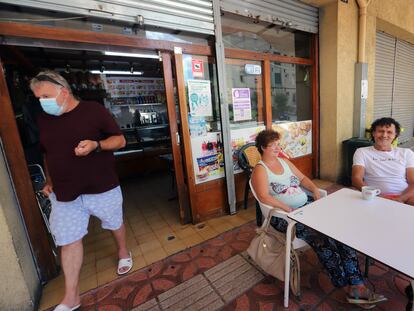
pixel 363 6
pixel 361 74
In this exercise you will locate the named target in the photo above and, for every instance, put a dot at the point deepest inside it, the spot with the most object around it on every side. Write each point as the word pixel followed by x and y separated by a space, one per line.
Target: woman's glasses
pixel 274 145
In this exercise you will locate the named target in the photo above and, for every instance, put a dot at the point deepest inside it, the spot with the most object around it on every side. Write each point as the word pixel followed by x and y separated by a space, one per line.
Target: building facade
pixel 294 66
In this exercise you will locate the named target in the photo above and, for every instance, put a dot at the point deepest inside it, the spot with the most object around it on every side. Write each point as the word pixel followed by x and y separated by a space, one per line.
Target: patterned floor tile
pixel 151 288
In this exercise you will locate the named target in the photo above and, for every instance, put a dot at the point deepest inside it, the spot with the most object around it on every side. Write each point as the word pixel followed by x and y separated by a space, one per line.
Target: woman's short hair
pixel 49 76
pixel 385 122
pixel 264 138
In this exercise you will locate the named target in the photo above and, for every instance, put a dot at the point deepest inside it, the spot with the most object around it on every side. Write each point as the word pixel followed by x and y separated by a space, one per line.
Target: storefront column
pixel 224 108
pixel 338 55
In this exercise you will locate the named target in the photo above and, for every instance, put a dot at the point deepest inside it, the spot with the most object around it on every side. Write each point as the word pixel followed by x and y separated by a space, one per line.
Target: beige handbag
pixel 268 249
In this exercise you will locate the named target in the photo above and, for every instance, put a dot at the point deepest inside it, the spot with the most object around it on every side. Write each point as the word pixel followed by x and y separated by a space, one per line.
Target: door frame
pixel 16 160
pixel 182 187
pixel 13 147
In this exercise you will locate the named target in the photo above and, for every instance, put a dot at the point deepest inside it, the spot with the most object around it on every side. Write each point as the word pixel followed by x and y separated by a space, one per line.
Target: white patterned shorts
pixel 69 220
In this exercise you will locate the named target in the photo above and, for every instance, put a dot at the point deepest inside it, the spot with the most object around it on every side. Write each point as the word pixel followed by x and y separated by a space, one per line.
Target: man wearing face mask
pixel 78 139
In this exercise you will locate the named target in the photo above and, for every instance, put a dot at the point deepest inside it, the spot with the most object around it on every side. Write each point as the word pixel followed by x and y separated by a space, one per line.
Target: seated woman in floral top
pixel 278 183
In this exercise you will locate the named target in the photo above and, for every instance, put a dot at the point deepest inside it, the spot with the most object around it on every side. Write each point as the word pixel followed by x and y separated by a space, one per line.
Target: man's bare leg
pixel 72 257
pixel 120 238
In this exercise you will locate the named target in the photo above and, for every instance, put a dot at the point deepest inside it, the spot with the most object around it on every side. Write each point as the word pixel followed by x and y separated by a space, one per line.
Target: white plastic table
pixel 382 229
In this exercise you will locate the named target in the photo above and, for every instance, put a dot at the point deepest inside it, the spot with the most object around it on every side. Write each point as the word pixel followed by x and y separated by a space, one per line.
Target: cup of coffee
pixel 368 193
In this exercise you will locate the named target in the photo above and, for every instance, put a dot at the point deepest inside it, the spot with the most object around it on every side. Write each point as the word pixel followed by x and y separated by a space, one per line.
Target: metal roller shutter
pixel 394 82
pixel 403 104
pixel 384 73
pixel 289 13
pixel 187 15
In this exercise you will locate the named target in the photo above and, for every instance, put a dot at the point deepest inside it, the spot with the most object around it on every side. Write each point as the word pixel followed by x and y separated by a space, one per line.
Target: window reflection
pixel 249 34
pixel 242 85
pixel 291 92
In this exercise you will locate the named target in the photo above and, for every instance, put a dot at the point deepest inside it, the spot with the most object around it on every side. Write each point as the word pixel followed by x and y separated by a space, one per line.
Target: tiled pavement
pixel 210 290
pixel 214 276
pixel 153 231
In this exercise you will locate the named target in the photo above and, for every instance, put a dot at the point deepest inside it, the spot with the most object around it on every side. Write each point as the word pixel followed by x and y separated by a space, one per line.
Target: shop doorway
pixel 144 105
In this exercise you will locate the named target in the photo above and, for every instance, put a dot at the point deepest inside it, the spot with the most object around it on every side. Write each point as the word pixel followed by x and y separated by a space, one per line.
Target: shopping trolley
pixel 38 181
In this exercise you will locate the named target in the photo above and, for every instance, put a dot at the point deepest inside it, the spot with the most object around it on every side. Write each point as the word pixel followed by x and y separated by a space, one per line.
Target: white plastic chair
pixel 268 212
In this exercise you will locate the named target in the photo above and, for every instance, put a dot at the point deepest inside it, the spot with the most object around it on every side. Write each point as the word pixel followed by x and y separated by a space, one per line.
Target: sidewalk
pixel 217 275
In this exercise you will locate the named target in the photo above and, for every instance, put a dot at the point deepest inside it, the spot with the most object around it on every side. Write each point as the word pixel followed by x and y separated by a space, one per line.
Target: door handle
pixel 177 137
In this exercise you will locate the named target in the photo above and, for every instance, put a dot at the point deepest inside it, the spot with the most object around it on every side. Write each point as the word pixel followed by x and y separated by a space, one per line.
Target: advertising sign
pixel 199 96
pixel 208 160
pixel 242 106
pixel 197 68
pixel 295 137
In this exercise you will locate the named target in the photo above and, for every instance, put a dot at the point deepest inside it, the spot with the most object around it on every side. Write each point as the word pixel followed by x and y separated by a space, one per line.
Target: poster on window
pixel 295 137
pixel 208 160
pixel 242 106
pixel 199 96
pixel 240 137
pixel 197 126
pixel 197 68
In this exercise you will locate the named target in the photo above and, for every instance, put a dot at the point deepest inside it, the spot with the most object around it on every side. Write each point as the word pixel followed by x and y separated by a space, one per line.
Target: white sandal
pixel 63 307
pixel 125 263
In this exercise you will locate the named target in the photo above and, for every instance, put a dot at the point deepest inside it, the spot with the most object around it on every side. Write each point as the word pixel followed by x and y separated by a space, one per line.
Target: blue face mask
pixel 50 106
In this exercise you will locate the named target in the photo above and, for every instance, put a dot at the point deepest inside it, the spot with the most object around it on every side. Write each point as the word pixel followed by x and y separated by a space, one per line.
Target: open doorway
pixel 131 85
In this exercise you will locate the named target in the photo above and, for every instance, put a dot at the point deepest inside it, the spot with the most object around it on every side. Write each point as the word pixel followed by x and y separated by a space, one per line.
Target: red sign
pixel 197 68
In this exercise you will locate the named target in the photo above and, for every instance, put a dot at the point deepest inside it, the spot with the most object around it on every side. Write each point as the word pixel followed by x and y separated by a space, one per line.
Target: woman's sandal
pixel 366 297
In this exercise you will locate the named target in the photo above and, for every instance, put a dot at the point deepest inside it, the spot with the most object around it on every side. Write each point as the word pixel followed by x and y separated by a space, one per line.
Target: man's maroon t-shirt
pixel 59 135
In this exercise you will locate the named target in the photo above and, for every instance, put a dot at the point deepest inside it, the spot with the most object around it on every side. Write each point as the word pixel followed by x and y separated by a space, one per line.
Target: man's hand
pixel 47 190
pixel 85 147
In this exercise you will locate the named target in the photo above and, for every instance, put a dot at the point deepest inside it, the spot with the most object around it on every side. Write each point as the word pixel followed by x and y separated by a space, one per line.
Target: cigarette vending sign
pixel 197 68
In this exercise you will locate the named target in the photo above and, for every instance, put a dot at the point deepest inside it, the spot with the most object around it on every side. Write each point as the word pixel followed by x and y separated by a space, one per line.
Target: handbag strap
pixel 279 235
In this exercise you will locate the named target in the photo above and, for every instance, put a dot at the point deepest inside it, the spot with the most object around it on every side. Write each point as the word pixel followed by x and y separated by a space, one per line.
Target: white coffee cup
pixel 368 193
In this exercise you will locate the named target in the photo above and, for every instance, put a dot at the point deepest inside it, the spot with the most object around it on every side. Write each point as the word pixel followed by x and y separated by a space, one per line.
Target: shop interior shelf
pixel 145 127
pixel 155 126
pixel 147 104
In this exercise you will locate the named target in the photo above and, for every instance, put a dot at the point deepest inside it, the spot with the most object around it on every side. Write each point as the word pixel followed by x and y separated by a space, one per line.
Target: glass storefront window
pixel 202 69
pixel 246 103
pixel 249 34
pixel 244 93
pixel 200 78
pixel 291 92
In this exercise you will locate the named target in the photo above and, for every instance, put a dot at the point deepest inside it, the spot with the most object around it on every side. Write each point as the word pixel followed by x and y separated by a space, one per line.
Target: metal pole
pixel 224 108
pixel 361 94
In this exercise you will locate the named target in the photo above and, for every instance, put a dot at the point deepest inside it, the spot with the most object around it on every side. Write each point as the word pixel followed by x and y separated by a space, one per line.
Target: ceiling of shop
pixel 33 59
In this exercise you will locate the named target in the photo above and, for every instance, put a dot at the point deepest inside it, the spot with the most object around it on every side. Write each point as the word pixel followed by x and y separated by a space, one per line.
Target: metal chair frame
pixel 268 212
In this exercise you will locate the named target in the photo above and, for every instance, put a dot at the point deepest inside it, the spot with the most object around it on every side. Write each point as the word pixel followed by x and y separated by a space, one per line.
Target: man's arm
pixel 358 172
pixel 407 196
pixel 111 143
pixel 48 187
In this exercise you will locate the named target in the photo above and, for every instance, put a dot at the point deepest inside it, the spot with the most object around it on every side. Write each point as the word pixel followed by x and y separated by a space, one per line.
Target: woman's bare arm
pixel 261 187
